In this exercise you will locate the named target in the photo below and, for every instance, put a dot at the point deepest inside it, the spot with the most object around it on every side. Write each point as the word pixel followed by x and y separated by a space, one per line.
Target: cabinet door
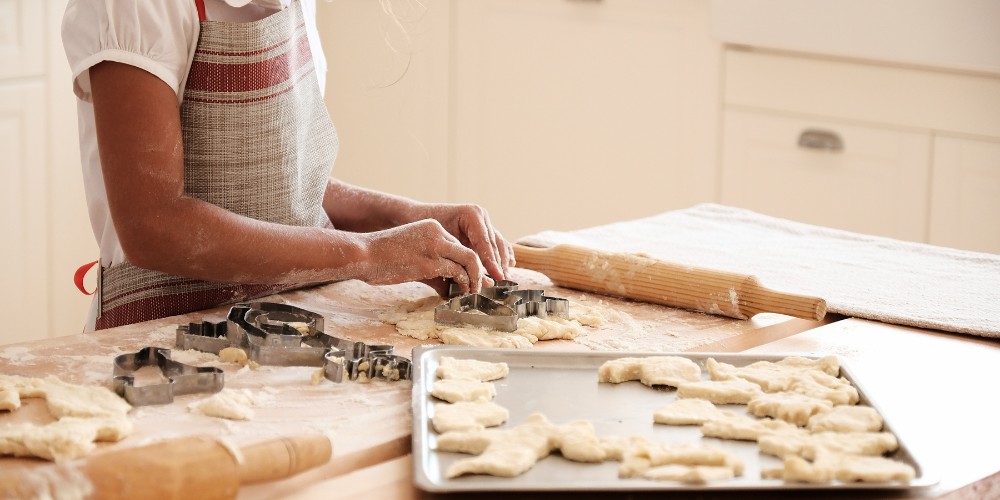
pixel 23 275
pixel 572 114
pixel 876 184
pixel 965 194
pixel 22 38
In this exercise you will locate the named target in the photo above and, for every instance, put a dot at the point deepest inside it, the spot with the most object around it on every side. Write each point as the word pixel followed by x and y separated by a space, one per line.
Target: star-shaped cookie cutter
pixel 497 307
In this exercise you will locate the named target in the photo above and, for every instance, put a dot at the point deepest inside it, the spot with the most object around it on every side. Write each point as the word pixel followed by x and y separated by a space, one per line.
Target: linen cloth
pixel 869 277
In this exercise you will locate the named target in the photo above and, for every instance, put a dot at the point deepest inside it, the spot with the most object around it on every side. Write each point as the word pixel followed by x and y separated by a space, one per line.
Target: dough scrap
pixel 745 428
pixel 416 319
pixel 847 468
pixel 10 400
pixel 68 439
pixel 689 412
pixel 25 387
pixel 822 386
pixel 723 392
pixel 698 474
pixel 234 355
pixel 847 419
pixel 808 445
pixel 454 391
pixel 774 377
pixel 468 416
pixel 232 404
pixel 70 400
pixel 470 369
pixel 654 370
pixel 788 406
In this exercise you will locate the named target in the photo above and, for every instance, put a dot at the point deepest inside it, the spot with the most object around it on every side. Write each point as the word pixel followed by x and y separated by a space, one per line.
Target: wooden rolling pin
pixel 192 468
pixel 640 277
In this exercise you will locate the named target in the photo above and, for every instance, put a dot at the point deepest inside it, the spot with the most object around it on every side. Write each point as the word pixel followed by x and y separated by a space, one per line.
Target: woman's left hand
pixel 471 225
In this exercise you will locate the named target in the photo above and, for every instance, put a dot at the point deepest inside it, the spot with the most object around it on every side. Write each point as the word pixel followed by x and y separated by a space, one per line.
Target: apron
pixel 258 141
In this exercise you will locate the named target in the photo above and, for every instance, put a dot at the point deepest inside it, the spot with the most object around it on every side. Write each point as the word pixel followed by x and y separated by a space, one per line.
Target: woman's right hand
pixel 422 251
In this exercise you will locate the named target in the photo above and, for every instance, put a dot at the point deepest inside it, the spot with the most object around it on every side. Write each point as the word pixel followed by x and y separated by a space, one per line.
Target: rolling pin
pixel 640 277
pixel 194 468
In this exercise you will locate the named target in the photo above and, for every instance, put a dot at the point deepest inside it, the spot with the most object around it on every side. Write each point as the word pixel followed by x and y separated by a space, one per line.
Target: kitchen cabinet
pixel 965 194
pixel 874 182
pixel 570 114
pixel 22 38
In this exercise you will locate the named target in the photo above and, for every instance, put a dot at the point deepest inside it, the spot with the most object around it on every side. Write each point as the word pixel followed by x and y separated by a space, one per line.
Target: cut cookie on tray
pixel 654 370
pixel 689 412
pixel 847 419
pixel 468 416
pixel 788 406
pixel 470 369
pixel 723 392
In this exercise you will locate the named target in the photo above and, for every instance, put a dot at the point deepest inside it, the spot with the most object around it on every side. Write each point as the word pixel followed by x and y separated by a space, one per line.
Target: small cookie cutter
pixel 264 331
pixel 497 307
pixel 181 378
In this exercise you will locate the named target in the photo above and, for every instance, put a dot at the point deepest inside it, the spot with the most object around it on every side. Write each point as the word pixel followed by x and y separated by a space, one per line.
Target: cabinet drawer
pixel 876 184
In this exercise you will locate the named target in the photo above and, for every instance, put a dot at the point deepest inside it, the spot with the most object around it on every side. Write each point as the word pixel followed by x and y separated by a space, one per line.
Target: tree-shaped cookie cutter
pixel 265 331
pixel 497 307
pixel 181 378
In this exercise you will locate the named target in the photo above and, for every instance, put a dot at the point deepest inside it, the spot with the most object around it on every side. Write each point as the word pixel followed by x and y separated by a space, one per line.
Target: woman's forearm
pixel 357 209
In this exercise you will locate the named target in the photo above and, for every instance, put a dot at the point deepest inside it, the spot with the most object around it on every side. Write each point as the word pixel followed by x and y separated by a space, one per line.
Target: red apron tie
pixel 80 273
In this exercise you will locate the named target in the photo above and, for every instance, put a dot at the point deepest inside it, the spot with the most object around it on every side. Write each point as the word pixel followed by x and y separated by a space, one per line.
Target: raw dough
pixel 303 328
pixel 745 428
pixel 233 355
pixel 689 412
pixel 615 447
pixel 806 445
pixel 724 392
pixel 9 398
pixel 509 453
pixel 468 416
pixel 788 406
pixel 470 369
pixel 698 474
pixel 70 400
pixel 847 419
pixel 822 386
pixel 454 391
pixel 233 404
pixel 67 439
pixel 829 466
pixel 638 460
pixel 654 370
pixel 416 319
pixel 774 377
pixel 25 387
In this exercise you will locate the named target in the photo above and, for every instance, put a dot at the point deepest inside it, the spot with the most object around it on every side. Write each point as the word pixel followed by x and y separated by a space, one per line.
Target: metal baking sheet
pixel 563 386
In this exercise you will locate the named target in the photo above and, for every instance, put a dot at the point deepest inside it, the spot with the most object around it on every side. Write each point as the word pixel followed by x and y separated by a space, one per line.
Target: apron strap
pixel 80 273
pixel 201 9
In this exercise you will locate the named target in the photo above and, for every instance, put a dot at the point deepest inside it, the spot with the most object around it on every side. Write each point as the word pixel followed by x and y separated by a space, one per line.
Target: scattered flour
pixel 17 355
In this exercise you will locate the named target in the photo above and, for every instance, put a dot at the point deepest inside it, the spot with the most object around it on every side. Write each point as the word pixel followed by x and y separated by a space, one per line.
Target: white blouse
pixel 160 37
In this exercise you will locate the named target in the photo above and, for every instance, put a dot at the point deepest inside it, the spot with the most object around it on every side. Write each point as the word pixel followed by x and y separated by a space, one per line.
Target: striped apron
pixel 257 141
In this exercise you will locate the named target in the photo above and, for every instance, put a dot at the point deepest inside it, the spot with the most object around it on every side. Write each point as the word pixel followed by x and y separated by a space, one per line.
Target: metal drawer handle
pixel 820 139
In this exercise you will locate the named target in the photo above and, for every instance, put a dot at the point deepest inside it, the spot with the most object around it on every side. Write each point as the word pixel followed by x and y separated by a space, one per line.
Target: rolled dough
pixel 468 416
pixel 232 404
pixel 698 474
pixel 788 406
pixel 847 419
pixel 737 391
pixel 746 429
pixel 849 443
pixel 774 377
pixel 689 412
pixel 848 468
pixel 454 391
pixel 470 369
pixel 654 370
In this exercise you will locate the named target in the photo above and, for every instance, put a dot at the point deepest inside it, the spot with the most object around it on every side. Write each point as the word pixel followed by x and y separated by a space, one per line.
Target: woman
pixel 207 152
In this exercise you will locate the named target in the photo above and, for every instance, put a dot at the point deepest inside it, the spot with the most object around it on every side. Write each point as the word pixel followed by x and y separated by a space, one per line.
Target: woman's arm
pixel 159 228
pixel 362 210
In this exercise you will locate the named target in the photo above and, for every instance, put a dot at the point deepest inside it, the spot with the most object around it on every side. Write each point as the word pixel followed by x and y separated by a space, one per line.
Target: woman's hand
pixel 471 225
pixel 422 251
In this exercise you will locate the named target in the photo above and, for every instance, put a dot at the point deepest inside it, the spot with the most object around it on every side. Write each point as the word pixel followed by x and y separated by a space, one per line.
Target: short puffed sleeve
pixel 158 36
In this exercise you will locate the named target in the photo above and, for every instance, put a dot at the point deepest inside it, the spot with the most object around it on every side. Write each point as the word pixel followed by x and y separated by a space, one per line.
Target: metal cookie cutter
pixel 497 307
pixel 182 379
pixel 283 335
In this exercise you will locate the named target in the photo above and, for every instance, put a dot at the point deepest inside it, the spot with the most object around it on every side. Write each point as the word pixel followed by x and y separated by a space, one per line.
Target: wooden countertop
pixel 368 423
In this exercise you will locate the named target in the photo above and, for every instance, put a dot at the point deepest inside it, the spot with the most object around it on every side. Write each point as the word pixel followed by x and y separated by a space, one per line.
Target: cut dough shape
pixel 774 377
pixel 615 447
pixel 788 406
pixel 468 416
pixel 745 428
pixel 470 369
pixel 25 387
pixel 234 355
pixel 454 391
pixel 822 386
pixel 70 400
pixel 655 370
pixel 723 392
pixel 689 412
pixel 847 419
pixel 848 468
pixel 67 439
pixel 806 445
pixel 577 442
pixel 232 404
pixel 10 400
pixel 689 454
pixel 698 474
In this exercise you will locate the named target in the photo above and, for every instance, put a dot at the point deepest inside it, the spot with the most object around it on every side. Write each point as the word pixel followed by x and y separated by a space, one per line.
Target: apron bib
pixel 258 141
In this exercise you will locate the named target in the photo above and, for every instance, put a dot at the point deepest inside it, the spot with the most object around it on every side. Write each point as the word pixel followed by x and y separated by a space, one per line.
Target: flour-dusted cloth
pixel 864 276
